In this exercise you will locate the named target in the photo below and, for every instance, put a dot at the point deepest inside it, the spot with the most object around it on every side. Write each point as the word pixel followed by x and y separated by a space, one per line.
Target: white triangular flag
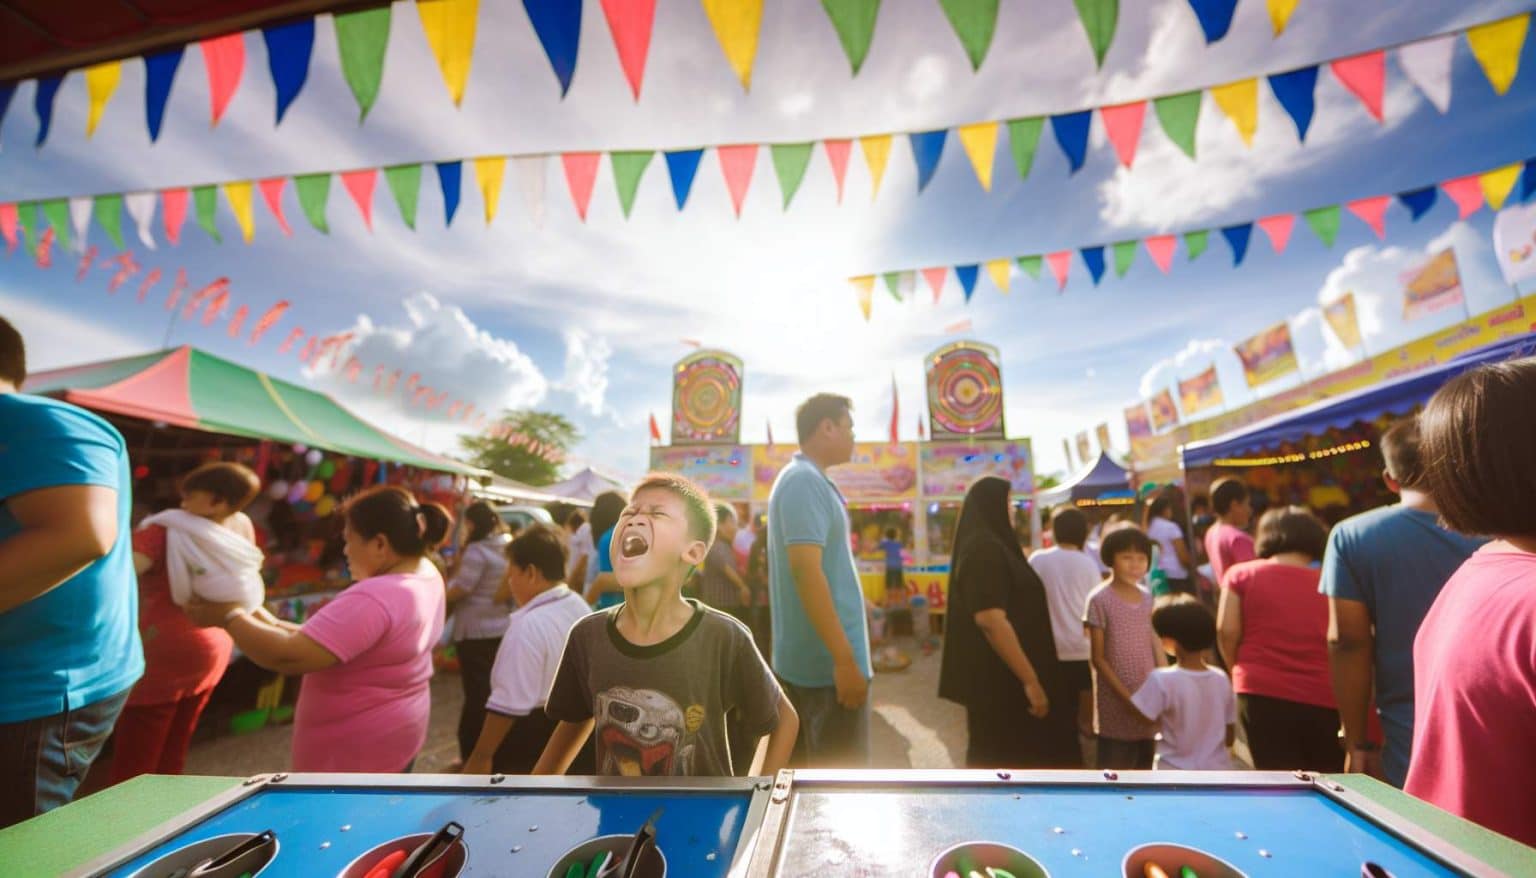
pixel 141 206
pixel 80 218
pixel 1428 65
pixel 530 176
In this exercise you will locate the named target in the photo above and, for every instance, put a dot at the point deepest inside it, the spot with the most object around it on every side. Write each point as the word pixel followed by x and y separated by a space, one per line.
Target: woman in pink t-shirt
pixel 1475 654
pixel 367 655
pixel 1273 632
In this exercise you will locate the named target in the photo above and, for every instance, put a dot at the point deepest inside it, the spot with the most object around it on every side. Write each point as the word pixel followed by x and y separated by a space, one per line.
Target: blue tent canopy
pixel 1104 479
pixel 1393 397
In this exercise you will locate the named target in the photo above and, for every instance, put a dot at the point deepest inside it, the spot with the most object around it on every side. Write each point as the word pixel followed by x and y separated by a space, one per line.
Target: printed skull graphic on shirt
pixel 642 732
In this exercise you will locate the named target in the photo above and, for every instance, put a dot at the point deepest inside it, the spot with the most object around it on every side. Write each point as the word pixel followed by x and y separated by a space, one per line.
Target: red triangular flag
pixel 272 194
pixel 1123 125
pixel 1366 77
pixel 935 279
pixel 1060 263
pixel 224 57
pixel 1467 192
pixel 1160 248
pixel 360 186
pixel 895 411
pixel 273 314
pixel 655 429
pixel 1373 212
pixel 921 432
pixel 837 155
pixel 580 174
pixel 736 163
pixel 238 320
pixel 173 210
pixel 1278 228
pixel 630 23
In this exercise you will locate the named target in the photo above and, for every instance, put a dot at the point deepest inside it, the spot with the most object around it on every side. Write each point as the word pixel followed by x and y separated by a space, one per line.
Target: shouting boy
pixel 656 675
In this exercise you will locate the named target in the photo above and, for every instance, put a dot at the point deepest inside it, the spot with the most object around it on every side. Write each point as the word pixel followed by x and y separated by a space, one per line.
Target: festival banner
pixel 1164 414
pixel 723 471
pixel 1514 243
pixel 1268 355
pixel 1137 424
pixel 1101 432
pixel 1342 319
pixel 878 471
pixel 1200 393
pixel 950 468
pixel 1084 447
pixel 1433 286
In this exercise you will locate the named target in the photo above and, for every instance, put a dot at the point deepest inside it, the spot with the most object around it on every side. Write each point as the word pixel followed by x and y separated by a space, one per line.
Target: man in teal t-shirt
pixel 69 637
pixel 820 634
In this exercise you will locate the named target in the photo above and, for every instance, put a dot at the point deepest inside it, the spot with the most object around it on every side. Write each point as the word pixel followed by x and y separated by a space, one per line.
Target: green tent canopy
pixel 188 388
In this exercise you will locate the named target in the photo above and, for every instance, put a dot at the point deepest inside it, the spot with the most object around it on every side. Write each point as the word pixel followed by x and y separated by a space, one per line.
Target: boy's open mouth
pixel 634 546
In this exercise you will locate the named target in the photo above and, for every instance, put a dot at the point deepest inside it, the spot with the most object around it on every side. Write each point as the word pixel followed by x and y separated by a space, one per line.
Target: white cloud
pixel 54 337
pixel 586 369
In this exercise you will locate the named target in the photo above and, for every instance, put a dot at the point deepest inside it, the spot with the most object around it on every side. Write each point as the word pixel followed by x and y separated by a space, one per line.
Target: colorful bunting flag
pixel 837 157
pixel 1467 192
pixel 238 320
pixel 141 206
pixel 1324 222
pixel 450 29
pixel 854 21
pixel 630 23
pixel 1179 114
pixel 80 218
pixel 1023 137
pixel 864 287
pixel 531 175
pixel 736 164
pixel 1427 64
pixel 1418 201
pixel 1372 212
pixel 1240 102
pixel 1496 46
pixel 100 84
pixel 224 60
pixel 1093 257
pixel 42 103
pixel 1098 18
pixel 26 218
pixel 289 47
pixel 1195 243
pixel 980 144
pixel 1030 265
pixel 205 204
pixel 7 91
pixel 405 184
pixel 109 215
pixel 1296 92
pixel 1215 17
pixel 966 275
pixel 682 167
pixel 974 22
pixel 314 192
pixel 1122 124
pixel 935 279
pixel 362 38
pixel 1498 183
pixel 1278 229
pixel 1280 14
pixel 272 194
pixel 269 320
pixel 628 168
pixel 1060 264
pixel 736 24
pixel 1365 76
pixel 789 163
pixel 1071 130
pixel 897 283
pixel 1000 271
pixel 1528 180
pixel 488 174
pixel 927 148
pixel 1237 238
pixel 877 151
pixel 1160 248
pixel 1125 256
pixel 173 212
pixel 450 178
pixel 580 174
pixel 239 197
pixel 359 185
pixel 159 74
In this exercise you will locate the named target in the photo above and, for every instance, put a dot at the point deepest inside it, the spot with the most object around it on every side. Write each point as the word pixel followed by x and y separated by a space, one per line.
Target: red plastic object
pixel 386 866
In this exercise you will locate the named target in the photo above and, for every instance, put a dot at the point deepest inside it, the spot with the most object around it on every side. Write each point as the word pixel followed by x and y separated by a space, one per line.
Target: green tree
pixel 524 445
pixel 1047 482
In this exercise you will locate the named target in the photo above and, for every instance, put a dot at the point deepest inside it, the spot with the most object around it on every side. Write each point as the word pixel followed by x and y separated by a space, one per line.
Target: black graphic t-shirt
pixel 660 710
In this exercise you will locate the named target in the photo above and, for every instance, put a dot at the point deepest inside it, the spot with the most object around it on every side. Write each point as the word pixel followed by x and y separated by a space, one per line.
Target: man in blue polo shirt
pixel 820 636
pixel 69 637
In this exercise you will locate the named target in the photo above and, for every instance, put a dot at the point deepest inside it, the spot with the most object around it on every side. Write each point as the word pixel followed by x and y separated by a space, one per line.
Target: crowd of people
pixel 657 635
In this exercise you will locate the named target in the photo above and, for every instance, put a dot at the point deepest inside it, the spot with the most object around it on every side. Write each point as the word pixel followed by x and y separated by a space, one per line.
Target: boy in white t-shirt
pixel 1191 702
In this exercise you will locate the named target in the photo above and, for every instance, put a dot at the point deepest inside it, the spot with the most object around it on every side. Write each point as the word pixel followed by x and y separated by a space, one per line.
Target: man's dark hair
pixel 1400 453
pixel 1069 526
pixel 1226 492
pixel 233 483
pixel 13 354
pixel 1126 539
pixel 821 407
pixel 724 513
pixel 1184 620
pixel 1290 529
pixel 1479 457
pixel 542 549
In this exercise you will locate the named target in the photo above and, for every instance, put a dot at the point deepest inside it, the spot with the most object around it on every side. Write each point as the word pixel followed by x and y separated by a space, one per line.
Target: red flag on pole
pixel 655 429
pixel 895 411
pixel 920 436
pixel 770 433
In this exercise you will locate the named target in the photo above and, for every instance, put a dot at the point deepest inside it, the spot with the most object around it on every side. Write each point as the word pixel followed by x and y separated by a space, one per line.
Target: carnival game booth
pixel 1099 490
pixel 1324 456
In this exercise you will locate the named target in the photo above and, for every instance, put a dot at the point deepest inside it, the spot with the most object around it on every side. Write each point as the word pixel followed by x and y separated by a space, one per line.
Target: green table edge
pixel 1499 851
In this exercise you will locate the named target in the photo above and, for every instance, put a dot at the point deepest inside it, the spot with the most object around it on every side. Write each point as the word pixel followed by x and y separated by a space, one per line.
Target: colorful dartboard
pixel 965 391
pixel 706 398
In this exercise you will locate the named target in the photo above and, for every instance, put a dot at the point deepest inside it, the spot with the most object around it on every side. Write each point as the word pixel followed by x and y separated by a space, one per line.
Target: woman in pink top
pixel 367 655
pixel 1273 632
pixel 1475 654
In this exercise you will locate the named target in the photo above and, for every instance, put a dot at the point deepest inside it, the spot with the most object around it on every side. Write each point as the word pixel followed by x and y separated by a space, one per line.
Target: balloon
pixel 325 469
pixel 296 492
pixel 313 456
pixel 325 505
pixel 277 490
pixel 300 448
pixel 315 491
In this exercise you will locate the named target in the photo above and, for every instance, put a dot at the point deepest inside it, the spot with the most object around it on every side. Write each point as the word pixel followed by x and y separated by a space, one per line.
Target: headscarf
pixel 984 516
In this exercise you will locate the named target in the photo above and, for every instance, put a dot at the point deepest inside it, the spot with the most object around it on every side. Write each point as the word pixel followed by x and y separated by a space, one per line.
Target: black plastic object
pixel 246 857
pixel 429 851
pixel 644 841
pixel 1373 870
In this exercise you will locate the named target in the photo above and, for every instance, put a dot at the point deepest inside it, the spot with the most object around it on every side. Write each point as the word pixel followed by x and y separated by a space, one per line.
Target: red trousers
pixel 154 738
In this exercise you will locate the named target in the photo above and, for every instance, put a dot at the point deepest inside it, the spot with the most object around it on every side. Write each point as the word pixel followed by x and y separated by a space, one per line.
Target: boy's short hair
pixel 1400 453
pixel 890 533
pixel 232 483
pixel 1480 460
pixel 1185 621
pixel 1069 526
pixel 542 549
pixel 1225 492
pixel 696 506
pixel 13 354
pixel 1126 539
pixel 724 513
pixel 1290 529
pixel 821 407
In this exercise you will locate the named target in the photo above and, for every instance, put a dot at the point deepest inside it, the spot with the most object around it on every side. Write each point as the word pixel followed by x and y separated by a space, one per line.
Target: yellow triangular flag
pixel 980 142
pixel 100 82
pixel 1496 46
pixel 1498 183
pixel 488 173
pixel 877 150
pixel 1280 14
pixel 450 29
pixel 736 23
pixel 1240 101
pixel 239 197
pixel 864 286
pixel 999 270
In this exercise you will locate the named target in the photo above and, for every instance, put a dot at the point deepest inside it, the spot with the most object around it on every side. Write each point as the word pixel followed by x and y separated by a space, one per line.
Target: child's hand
pixel 1039 704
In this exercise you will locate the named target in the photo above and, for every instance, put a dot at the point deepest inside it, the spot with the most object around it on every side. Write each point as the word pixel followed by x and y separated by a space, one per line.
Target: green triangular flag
pixel 1179 115
pixel 108 211
pixel 1030 265
pixel 405 182
pixel 314 190
pixel 1195 243
pixel 26 217
pixel 361 38
pixel 1125 254
pixel 789 163
pixel 628 167
pixel 1098 18
pixel 57 213
pixel 205 201
pixel 855 24
pixel 1023 137
pixel 973 21
pixel 893 284
pixel 1325 222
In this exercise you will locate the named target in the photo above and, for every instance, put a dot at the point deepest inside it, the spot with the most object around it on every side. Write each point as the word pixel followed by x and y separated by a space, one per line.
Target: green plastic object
pixel 248 721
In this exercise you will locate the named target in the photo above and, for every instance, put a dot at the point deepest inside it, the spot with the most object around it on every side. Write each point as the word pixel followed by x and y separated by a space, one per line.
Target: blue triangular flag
pixel 927 146
pixel 1237 237
pixel 288 50
pixel 449 174
pixel 47 90
pixel 159 73
pixel 7 91
pixel 558 24
pixel 1215 17
pixel 966 274
pixel 1093 257
pixel 682 164
pixel 1071 130
pixel 1418 201
pixel 1527 180
pixel 1296 93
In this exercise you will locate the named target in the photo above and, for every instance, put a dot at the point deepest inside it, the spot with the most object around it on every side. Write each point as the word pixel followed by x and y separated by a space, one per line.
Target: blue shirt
pixel 805 508
pixel 892 550
pixel 605 565
pixel 79 642
pixel 1395 561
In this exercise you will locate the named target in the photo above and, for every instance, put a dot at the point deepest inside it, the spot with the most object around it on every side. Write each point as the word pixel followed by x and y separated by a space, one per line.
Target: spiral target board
pixel 965 391
pixel 706 399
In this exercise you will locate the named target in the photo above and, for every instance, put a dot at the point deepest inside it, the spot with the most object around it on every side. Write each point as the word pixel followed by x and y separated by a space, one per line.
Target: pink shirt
pixel 1225 546
pixel 1475 695
pixel 1284 650
pixel 369 712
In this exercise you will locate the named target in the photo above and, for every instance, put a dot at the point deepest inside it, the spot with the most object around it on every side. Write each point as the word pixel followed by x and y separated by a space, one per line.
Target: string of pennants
pixel 449 26
pixel 1468 193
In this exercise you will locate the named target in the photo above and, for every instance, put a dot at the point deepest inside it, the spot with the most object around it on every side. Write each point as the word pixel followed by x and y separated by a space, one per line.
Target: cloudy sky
pixel 586 318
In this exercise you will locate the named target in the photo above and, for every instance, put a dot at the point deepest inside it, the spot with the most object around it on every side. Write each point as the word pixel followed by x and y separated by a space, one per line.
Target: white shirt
pixel 743 542
pixel 1164 532
pixel 478 615
pixel 530 652
pixel 1193 710
pixel 1069 575
pixel 582 546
